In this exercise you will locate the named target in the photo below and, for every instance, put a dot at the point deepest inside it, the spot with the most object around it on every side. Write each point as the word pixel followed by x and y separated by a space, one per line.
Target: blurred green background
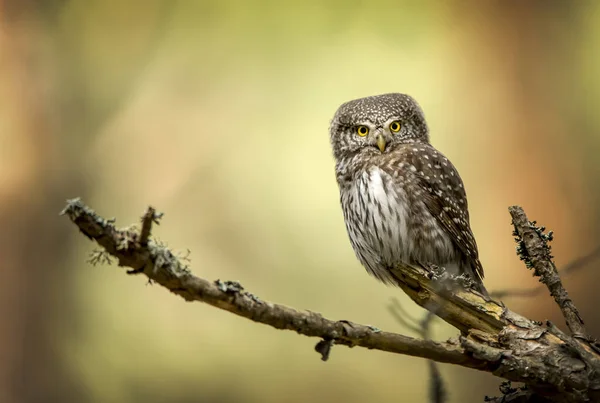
pixel 217 113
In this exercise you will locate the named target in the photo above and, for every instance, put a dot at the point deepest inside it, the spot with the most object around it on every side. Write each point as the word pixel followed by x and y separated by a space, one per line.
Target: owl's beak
pixel 381 143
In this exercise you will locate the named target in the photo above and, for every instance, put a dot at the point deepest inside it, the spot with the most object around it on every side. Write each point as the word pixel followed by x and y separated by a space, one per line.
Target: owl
pixel 403 201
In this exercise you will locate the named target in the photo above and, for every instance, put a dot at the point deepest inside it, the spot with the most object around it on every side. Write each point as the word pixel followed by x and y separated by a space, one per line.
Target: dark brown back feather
pixel 445 198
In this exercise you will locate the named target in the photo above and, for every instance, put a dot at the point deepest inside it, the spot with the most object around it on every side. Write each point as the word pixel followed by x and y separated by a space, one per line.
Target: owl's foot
pixel 434 271
pixel 451 281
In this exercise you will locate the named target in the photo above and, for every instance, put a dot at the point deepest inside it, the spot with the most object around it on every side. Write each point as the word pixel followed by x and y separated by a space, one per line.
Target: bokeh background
pixel 217 113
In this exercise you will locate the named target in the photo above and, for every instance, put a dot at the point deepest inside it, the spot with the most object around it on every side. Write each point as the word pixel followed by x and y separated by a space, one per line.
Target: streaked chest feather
pixel 377 216
pixel 388 223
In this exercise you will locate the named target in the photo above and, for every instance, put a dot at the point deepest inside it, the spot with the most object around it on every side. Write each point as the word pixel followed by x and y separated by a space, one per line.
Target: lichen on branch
pixel 565 368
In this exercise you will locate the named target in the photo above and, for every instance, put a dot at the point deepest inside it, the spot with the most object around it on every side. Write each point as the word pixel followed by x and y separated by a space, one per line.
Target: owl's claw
pixel 434 272
pixel 449 281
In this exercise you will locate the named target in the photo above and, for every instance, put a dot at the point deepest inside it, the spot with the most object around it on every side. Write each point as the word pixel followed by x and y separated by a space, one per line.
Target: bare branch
pixel 567 270
pixel 404 318
pixel 437 389
pixel 580 262
pixel 494 339
pixel 163 267
pixel 534 249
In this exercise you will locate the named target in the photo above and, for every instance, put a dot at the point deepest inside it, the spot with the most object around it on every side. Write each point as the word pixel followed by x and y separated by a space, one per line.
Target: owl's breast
pixel 377 215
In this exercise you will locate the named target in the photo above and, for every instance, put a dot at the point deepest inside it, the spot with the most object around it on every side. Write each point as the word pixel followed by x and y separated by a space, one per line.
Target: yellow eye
pixel 395 126
pixel 362 131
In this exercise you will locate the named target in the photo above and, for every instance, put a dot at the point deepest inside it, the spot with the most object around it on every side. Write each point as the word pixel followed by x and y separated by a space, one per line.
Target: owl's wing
pixel 442 191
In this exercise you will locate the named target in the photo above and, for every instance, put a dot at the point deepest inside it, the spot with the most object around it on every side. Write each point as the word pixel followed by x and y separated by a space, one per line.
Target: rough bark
pixel 553 365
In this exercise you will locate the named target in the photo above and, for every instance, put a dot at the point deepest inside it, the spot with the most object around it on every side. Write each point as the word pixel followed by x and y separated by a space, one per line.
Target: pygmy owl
pixel 403 201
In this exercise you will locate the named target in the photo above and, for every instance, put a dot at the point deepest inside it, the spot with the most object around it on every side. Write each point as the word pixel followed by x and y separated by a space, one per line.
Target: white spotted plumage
pixel 403 202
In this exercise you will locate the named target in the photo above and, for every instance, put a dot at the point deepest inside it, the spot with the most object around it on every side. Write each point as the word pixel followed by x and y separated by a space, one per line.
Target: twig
pixel 151 216
pixel 533 248
pixel 437 389
pixel 404 318
pixel 567 270
pixel 580 262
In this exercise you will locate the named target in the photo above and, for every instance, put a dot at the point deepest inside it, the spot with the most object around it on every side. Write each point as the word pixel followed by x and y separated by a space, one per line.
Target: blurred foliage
pixel 217 113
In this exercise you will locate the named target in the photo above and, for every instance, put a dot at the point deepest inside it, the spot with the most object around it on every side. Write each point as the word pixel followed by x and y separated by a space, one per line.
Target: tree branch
pixel 493 339
pixel 533 248
pixel 437 389
pixel 570 268
pixel 163 267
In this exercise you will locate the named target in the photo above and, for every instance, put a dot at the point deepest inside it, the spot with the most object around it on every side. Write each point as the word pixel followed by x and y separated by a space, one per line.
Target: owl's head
pixel 375 124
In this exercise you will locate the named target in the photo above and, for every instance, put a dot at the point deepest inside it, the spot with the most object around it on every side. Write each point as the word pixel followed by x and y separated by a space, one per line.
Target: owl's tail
pixel 478 286
pixel 476 278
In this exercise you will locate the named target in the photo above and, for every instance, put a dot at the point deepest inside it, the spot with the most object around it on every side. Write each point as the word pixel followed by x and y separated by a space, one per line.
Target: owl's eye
pixel 362 131
pixel 395 126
